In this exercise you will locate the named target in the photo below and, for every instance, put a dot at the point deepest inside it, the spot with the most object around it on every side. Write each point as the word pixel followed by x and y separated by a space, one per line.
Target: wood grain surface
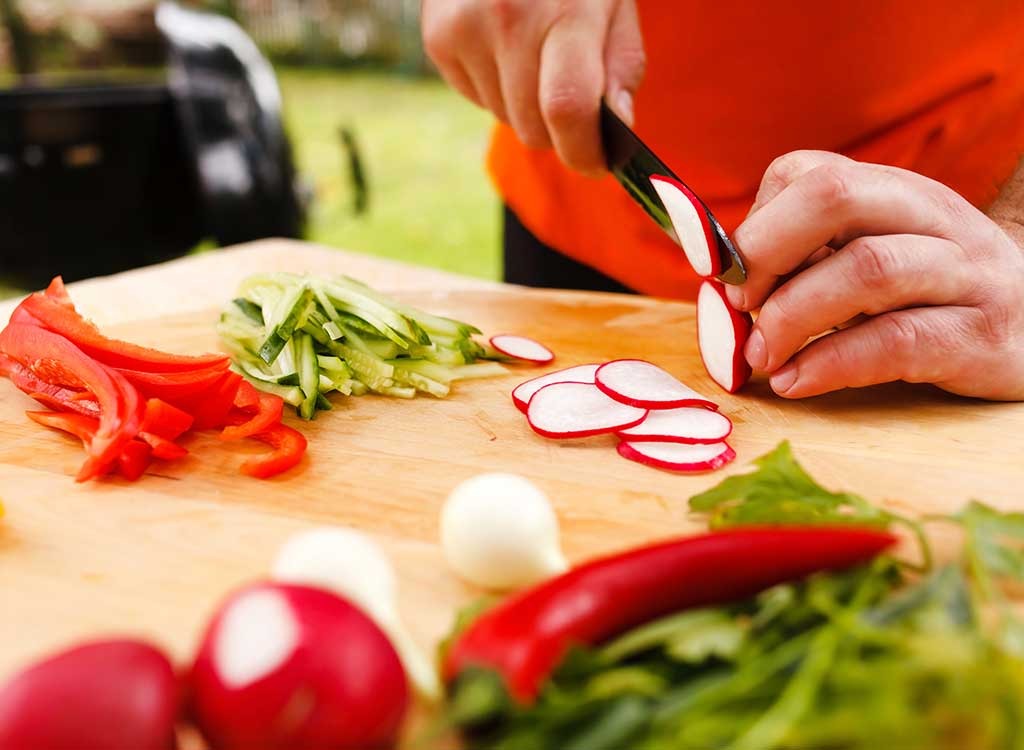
pixel 154 557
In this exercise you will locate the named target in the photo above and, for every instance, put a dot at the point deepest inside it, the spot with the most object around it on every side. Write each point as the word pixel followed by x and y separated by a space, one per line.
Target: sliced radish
pixel 690 424
pixel 721 335
pixel 573 410
pixel 640 383
pixel 523 348
pixel 679 457
pixel 524 391
pixel 693 228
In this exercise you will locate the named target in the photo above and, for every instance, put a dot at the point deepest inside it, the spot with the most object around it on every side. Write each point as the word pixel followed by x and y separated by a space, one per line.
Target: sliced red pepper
pixel 134 460
pixel 163 448
pixel 289 447
pixel 165 420
pixel 119 402
pixel 54 310
pixel 270 410
pixel 79 425
pixel 54 396
pixel 525 638
pixel 247 398
pixel 174 387
pixel 211 409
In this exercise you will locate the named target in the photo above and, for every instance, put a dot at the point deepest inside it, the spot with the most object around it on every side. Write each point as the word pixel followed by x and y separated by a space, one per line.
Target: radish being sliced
pixel 524 391
pixel 522 348
pixel 693 228
pixel 679 457
pixel 640 383
pixel 721 335
pixel 574 410
pixel 689 424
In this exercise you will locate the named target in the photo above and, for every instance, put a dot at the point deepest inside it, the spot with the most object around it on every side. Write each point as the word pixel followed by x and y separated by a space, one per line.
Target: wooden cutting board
pixel 154 557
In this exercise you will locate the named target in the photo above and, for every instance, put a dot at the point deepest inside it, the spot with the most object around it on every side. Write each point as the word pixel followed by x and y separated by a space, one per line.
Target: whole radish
pixel 287 666
pixel 107 695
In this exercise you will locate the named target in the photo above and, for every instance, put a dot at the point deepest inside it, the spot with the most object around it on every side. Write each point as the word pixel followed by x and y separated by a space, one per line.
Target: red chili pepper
pixel 289 447
pixel 119 402
pixel 54 310
pixel 525 638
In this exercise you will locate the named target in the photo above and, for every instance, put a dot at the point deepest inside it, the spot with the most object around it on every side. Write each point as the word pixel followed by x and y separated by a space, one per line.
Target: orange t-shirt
pixel 936 86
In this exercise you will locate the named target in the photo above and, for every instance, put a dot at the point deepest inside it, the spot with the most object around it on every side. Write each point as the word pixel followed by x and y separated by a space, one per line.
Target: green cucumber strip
pixel 432 370
pixel 382 348
pixel 324 303
pixel 290 394
pixel 478 370
pixel 356 301
pixel 289 314
pixel 309 373
pixel 356 323
pixel 322 404
pixel 421 383
pixel 331 329
pixel 398 392
pixel 359 388
pixel 431 323
pixel 440 355
pixel 250 309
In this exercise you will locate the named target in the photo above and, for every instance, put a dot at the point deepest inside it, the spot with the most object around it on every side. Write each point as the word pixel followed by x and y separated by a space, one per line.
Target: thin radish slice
pixel 524 391
pixel 640 383
pixel 721 335
pixel 693 228
pixel 679 457
pixel 522 348
pixel 575 410
pixel 690 424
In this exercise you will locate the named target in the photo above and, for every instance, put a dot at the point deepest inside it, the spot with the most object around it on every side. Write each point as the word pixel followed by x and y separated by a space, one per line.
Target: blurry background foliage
pixel 349 70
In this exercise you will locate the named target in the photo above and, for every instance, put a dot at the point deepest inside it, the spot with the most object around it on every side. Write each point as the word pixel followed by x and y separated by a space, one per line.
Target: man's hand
pixel 923 286
pixel 541 65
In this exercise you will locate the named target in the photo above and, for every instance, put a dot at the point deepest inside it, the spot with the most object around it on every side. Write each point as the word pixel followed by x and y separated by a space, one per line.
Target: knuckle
pixel 998 321
pixel 873 263
pixel 830 185
pixel 787 168
pixel 566 106
pixel 898 334
pixel 507 15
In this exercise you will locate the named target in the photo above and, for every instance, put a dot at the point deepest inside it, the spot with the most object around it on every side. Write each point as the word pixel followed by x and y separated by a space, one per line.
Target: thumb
pixel 624 59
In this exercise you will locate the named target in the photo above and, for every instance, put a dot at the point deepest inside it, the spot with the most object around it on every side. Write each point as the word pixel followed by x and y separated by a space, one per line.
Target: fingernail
pixel 624 106
pixel 783 379
pixel 756 352
pixel 736 296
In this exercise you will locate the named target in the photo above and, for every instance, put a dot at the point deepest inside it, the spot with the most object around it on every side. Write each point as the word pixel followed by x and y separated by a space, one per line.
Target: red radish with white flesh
pixel 693 227
pixel 721 335
pixel 576 410
pixel 284 666
pixel 678 456
pixel 524 391
pixel 521 347
pixel 640 383
pixel 690 424
pixel 107 695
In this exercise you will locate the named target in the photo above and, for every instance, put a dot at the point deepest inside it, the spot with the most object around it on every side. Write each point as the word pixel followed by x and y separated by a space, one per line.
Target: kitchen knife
pixel 633 165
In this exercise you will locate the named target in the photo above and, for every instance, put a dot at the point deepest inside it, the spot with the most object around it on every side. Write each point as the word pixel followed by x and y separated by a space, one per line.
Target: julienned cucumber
pixel 303 337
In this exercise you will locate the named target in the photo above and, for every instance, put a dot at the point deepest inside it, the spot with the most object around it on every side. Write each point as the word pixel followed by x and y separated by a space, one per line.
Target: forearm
pixel 1008 208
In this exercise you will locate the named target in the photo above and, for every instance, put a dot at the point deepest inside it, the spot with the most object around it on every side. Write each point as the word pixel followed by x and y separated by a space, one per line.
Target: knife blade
pixel 633 164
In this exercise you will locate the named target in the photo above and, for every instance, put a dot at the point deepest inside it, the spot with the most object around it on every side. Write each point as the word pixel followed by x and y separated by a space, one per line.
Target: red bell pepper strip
pixel 54 396
pixel 247 398
pixel 289 447
pixel 79 425
pixel 174 387
pixel 526 637
pixel 119 402
pixel 211 409
pixel 54 310
pixel 271 408
pixel 164 420
pixel 134 460
pixel 163 448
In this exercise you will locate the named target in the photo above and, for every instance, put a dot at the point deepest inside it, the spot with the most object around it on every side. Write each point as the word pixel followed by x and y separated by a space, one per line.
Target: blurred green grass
pixel 423 146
